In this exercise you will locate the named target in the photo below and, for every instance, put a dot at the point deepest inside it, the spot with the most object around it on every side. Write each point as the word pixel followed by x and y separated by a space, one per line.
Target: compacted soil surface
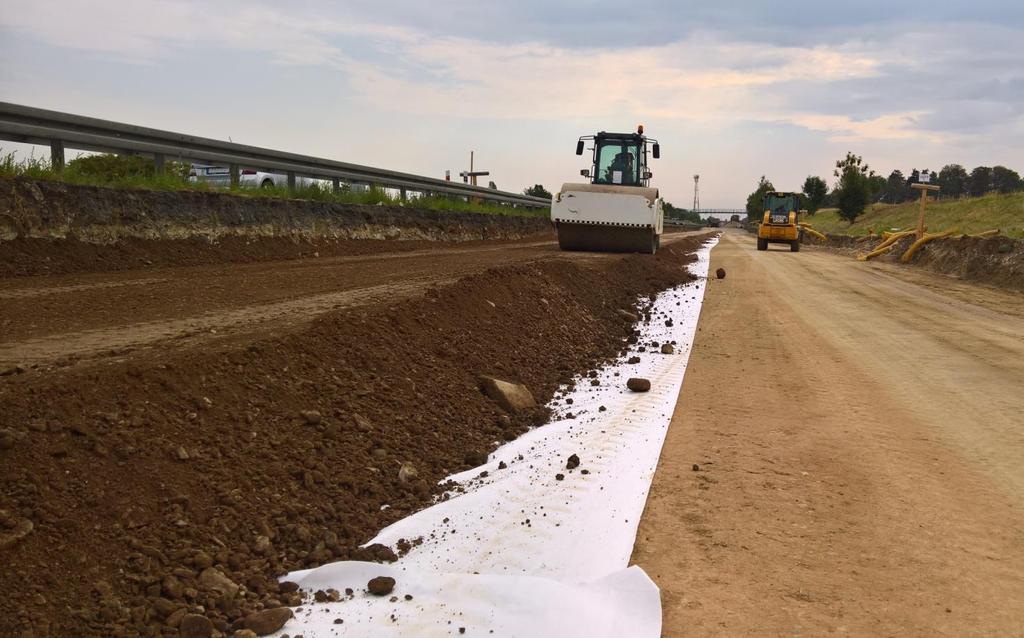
pixel 847 455
pixel 172 440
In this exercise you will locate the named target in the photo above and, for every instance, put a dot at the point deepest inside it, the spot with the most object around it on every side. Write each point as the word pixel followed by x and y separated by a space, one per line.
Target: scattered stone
pixel 244 633
pixel 595 382
pixel 202 560
pixel 181 453
pixel 628 315
pixel 696 468
pixel 602 409
pixel 505 421
pixel 362 423
pixel 720 273
pixel 408 596
pixel 584 471
pixel 669 323
pixel 312 417
pixel 375 553
pixel 502 465
pixel 213 579
pixel 320 596
pixel 17 529
pixel 338 621
pixel 381 585
pixel 572 463
pixel 513 397
pixel 379 453
pixel 407 473
pixel 634 359
pixel 668 348
pixel 7 438
pixel 636 384
pixel 195 626
pixel 267 621
pixel 559 477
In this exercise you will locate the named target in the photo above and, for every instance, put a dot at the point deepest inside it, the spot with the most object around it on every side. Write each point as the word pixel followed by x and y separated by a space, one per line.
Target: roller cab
pixel 616 210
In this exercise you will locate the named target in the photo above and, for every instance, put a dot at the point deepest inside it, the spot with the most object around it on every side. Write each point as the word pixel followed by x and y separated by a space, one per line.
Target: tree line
pixel 857 186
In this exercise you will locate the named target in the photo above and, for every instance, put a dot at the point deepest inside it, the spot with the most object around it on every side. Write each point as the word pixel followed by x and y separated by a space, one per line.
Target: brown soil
pixel 277 449
pixel 997 261
pixel 55 228
pixel 846 455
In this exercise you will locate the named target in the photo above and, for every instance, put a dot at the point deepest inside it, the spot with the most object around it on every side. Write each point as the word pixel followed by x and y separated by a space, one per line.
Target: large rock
pixel 195 626
pixel 381 585
pixel 267 621
pixel 511 396
pixel 213 579
pixel 636 384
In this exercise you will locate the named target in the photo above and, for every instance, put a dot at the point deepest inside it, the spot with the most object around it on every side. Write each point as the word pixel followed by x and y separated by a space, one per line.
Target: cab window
pixel 617 163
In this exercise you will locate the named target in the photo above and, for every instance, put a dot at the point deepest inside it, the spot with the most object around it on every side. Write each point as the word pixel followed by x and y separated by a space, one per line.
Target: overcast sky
pixel 731 90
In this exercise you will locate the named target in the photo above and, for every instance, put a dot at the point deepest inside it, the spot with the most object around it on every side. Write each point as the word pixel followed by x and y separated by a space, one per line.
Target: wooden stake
pixel 924 188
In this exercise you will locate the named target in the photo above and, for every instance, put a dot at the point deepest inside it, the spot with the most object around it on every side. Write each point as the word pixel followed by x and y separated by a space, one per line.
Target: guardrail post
pixel 233 170
pixel 401 193
pixel 336 184
pixel 158 163
pixel 291 180
pixel 57 154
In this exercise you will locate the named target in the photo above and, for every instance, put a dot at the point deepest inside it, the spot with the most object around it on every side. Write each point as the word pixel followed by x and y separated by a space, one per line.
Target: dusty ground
pixel 185 470
pixel 858 431
pixel 61 318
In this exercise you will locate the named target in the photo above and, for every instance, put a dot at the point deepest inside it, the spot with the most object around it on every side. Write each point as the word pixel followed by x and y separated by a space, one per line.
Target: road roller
pixel 616 210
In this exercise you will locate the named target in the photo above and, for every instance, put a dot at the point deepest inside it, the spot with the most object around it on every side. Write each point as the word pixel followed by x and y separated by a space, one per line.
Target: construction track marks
pixel 57 319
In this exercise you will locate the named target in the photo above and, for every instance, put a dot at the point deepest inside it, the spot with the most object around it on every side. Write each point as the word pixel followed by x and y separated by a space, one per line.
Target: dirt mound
pixel 54 228
pixel 184 481
pixel 998 261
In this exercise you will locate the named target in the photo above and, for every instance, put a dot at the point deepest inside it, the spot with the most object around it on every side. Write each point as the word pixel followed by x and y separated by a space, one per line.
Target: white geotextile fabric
pixel 521 553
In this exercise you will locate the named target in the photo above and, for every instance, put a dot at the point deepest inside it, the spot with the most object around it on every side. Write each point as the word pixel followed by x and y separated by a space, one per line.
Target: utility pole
pixel 696 193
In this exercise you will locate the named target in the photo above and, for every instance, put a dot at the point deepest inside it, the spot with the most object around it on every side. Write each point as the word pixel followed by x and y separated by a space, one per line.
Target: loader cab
pixel 619 159
pixel 778 206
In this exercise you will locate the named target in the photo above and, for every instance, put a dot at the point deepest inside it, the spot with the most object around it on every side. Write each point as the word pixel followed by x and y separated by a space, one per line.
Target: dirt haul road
pixel 847 455
pixel 68 318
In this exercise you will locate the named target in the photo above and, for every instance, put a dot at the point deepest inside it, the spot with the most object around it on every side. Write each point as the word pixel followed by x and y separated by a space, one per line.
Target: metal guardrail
pixel 65 130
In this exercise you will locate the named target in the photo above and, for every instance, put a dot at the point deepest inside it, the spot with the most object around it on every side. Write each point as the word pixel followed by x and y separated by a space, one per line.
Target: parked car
pixel 221 176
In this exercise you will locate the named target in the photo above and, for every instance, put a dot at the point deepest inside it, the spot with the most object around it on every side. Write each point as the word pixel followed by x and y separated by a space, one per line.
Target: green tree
pixel 680 213
pixel 537 190
pixel 981 181
pixel 756 199
pixel 815 191
pixel 953 180
pixel 896 189
pixel 853 192
pixel 876 184
pixel 1005 180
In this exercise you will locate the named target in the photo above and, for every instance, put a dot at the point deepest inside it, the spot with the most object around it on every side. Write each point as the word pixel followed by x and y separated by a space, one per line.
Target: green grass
pixel 138 174
pixel 970 215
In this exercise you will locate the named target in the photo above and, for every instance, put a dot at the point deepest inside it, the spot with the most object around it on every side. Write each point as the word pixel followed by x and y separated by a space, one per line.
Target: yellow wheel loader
pixel 616 211
pixel 779 223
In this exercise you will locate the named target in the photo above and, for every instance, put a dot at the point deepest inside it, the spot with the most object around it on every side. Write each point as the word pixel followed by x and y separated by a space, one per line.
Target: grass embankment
pixel 970 215
pixel 138 174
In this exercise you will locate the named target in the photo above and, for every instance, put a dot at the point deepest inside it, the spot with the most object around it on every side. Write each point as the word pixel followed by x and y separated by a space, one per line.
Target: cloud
pixel 722 76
